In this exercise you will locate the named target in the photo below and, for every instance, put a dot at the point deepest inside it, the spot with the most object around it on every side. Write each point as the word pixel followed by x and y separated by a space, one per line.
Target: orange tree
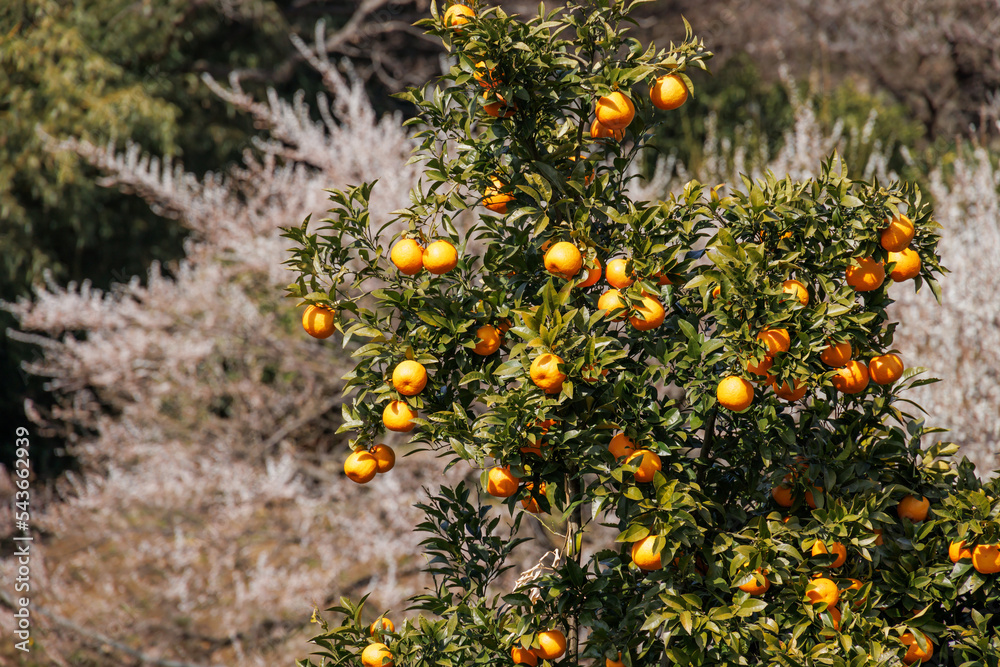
pixel 712 376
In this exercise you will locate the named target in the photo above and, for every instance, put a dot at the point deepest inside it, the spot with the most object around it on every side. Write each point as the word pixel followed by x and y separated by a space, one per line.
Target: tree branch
pixel 706 448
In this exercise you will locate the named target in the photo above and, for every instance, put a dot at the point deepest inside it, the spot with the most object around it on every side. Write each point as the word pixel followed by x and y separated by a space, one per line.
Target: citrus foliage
pixel 807 528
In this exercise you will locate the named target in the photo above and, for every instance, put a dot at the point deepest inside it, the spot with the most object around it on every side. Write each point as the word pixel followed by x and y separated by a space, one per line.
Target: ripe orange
pixel 836 354
pixel 856 585
pixel 385 459
pixel 885 369
pixel 879 537
pixel 376 655
pixel 716 291
pixel 608 662
pixel 494 199
pixel 408 256
pixel 834 617
pixel 907 263
pixel 786 391
pixel 734 393
pixel 551 644
pixel 852 378
pixel 811 498
pixel 523 656
pixel 440 257
pixel 758 585
pixel 776 340
pixel 398 416
pixel 821 590
pixel 898 234
pixel 648 463
pixel 782 493
pixel 409 378
pixel 616 274
pixel 598 131
pixel 643 555
pixel 958 551
pixel 913 509
pixel 612 301
pixel 914 652
pixel 662 279
pixel 386 625
pixel 649 315
pixel 486 76
pixel 868 275
pixel 761 368
pixel 531 503
pixel 615 111
pixel 318 322
pixel 797 290
pixel 360 466
pixel 986 558
pixel 593 275
pixel 563 259
pixel 669 92
pixel 499 108
pixel 457 15
pixel 838 549
pixel 487 340
pixel 588 176
pixel 545 373
pixel 621 445
pixel 501 482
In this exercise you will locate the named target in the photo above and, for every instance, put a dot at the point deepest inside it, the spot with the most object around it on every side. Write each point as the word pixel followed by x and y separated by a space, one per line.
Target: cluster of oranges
pixel 869 275
pixel 551 646
pixel 377 654
pixel 410 257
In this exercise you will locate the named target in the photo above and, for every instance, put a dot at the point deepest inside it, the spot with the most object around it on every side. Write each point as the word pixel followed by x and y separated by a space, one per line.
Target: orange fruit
pixel 563 259
pixel 852 378
pixel 545 373
pixel 914 652
pixel 643 555
pixel 494 199
pixel 716 291
pixel 761 368
pixel 986 558
pixel 593 275
pixel 662 279
pixel 523 656
pixel 385 459
pixel 531 503
pixel 898 234
pixel 440 257
pixel 318 321
pixel 885 369
pixel 836 354
pixel 408 256
pixel 486 76
pixel 797 290
pixel 758 585
pixel 386 625
pixel 499 108
pixel 734 393
pixel 811 498
pixel 668 92
pixel 608 662
pixel 599 131
pixel 409 378
pixel 907 263
pixel 782 493
pixel 856 585
pixel 612 301
pixel 500 482
pixel 398 416
pixel 786 391
pixel 879 539
pixel 621 445
pixel 360 466
pixel 615 111
pixel 648 463
pixel 487 340
pixel 913 508
pixel 834 617
pixel 458 15
pixel 616 274
pixel 551 644
pixel 839 550
pixel 820 590
pixel 958 551
pixel 776 340
pixel 649 315
pixel 376 655
pixel 588 176
pixel 868 275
